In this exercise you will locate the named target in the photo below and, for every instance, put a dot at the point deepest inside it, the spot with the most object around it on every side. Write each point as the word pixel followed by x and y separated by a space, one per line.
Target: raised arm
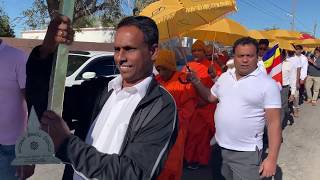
pixel 201 89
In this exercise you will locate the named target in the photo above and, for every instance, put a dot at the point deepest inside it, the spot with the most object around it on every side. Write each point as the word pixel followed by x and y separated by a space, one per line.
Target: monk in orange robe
pixel 185 97
pixel 197 149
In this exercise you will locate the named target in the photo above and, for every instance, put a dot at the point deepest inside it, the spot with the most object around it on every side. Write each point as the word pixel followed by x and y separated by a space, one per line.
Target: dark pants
pixel 235 165
pixel 303 95
pixel 284 106
pixel 7 154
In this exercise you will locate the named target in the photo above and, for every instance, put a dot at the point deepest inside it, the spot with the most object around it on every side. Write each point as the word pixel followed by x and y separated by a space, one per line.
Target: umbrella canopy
pixel 284 34
pixel 306 36
pixel 283 44
pixel 256 34
pixel 173 18
pixel 198 5
pixel 309 43
pixel 224 31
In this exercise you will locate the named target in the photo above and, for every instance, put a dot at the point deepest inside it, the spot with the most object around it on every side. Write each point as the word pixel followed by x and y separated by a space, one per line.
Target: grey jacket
pixel 314 70
pixel 151 132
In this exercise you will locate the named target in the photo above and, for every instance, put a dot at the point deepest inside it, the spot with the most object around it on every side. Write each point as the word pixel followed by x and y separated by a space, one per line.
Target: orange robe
pixel 185 97
pixel 198 149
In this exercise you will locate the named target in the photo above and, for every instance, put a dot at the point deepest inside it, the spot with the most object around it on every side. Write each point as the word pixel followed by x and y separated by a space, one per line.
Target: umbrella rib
pixel 168 29
pixel 205 21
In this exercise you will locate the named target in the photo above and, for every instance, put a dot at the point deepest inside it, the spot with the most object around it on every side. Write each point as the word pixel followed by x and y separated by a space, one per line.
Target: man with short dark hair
pixel 133 123
pixel 263 47
pixel 301 62
pixel 247 100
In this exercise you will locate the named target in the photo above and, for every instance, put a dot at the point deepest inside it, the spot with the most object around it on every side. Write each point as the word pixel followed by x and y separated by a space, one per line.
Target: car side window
pixel 102 66
pixel 74 62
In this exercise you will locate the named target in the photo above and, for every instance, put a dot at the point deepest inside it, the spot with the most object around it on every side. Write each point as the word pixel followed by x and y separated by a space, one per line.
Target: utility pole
pixel 293 14
pixel 315 29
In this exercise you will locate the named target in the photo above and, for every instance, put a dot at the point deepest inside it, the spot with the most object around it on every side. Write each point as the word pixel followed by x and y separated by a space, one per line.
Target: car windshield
pixel 74 62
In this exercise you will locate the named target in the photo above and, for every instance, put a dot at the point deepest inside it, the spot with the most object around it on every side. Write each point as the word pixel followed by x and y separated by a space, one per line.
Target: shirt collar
pixel 141 87
pixel 256 72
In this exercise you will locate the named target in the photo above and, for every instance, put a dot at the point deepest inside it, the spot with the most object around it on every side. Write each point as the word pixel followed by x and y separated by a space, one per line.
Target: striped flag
pixel 272 63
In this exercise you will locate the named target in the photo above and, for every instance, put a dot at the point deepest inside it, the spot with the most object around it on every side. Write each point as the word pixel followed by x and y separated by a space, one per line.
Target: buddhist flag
pixel 272 63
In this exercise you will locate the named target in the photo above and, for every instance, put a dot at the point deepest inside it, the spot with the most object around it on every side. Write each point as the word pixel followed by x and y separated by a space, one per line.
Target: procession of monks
pixel 196 117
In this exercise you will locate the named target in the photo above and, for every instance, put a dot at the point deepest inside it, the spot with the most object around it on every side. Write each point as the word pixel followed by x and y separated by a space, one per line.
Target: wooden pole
pixel 59 68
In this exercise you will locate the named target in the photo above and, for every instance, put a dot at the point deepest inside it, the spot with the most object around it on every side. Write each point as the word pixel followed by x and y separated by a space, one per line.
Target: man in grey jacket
pixel 133 123
pixel 313 78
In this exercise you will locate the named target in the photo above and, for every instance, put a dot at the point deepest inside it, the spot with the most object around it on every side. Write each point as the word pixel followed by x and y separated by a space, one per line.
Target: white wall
pixel 99 35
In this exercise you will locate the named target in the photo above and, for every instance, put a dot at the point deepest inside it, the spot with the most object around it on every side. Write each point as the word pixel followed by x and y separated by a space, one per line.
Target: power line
pixel 269 11
pixel 275 5
pixel 261 10
pixel 271 14
pixel 290 14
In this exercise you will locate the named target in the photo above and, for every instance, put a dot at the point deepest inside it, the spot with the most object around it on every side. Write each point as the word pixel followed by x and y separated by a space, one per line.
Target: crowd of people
pixel 142 126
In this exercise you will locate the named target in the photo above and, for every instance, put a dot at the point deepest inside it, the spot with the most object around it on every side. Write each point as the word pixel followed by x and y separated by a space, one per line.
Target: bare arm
pixel 59 31
pixel 268 166
pixel 203 91
pixel 293 80
pixel 200 88
pixel 298 77
pixel 274 132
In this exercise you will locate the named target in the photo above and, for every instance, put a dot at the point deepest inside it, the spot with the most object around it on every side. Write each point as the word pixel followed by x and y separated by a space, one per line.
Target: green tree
pixel 5 28
pixel 86 13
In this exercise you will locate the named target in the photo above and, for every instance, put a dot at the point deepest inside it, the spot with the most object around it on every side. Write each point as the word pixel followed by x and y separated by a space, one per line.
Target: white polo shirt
pixel 289 75
pixel 304 66
pixel 240 113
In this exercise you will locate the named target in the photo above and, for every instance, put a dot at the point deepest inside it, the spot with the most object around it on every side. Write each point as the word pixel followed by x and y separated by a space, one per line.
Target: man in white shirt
pixel 289 79
pixel 247 99
pixel 133 123
pixel 263 48
pixel 301 62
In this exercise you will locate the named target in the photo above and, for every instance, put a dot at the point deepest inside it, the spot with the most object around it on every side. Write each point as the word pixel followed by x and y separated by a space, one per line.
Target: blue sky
pixel 260 14
pixel 14 9
pixel 254 14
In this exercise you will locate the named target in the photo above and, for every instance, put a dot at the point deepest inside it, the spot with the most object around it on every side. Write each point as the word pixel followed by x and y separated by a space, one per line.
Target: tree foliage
pixel 88 13
pixel 85 14
pixel 5 28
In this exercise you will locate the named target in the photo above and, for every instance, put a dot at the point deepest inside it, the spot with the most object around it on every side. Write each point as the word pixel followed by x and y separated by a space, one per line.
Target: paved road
pixel 299 156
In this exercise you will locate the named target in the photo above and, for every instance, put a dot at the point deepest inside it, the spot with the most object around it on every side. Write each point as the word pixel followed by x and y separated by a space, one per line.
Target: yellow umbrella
pixel 284 34
pixel 173 18
pixel 224 31
pixel 309 43
pixel 283 44
pixel 198 5
pixel 256 34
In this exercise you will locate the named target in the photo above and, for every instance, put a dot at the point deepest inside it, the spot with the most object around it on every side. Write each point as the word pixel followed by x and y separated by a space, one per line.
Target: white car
pixel 83 65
